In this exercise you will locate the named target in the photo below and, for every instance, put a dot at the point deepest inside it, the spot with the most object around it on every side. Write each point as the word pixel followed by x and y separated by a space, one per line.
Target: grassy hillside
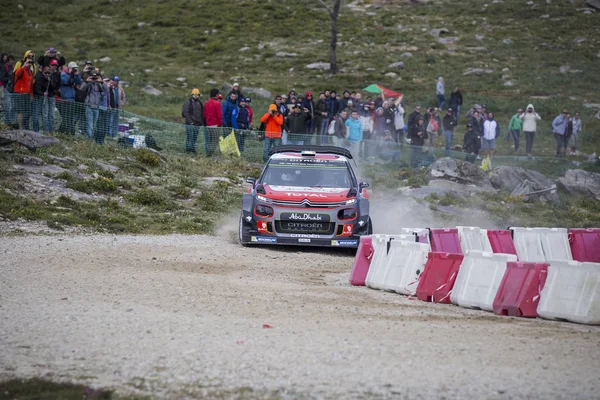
pixel 159 41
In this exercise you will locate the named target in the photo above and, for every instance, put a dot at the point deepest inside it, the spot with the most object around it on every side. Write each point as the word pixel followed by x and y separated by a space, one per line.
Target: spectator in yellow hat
pixel 193 112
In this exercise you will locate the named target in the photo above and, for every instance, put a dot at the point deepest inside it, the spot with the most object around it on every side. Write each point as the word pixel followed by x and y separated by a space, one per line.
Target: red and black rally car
pixel 306 195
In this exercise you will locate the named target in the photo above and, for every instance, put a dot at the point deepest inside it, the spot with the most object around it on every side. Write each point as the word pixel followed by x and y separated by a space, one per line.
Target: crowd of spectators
pixel 88 103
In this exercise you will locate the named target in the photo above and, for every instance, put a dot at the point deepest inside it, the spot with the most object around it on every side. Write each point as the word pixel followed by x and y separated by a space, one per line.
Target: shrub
pixel 147 157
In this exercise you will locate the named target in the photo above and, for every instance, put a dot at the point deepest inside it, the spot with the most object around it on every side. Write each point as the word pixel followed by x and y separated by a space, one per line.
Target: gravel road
pixel 184 316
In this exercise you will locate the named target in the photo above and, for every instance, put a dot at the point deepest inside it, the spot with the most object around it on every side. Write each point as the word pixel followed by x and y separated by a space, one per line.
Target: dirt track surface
pixel 182 316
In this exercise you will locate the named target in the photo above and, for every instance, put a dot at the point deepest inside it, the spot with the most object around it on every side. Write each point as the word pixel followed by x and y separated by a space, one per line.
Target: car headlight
pixel 263 198
pixel 351 201
pixel 263 211
pixel 347 213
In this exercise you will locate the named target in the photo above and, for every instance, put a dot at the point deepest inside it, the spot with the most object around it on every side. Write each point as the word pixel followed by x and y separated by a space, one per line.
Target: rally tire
pixel 243 242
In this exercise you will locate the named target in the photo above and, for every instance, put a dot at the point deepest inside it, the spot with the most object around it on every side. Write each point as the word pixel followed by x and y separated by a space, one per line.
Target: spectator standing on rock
pixel 456 100
pixel 418 135
pixel 471 143
pixel 341 132
pixel 23 91
pixel 440 89
pixel 273 120
pixel 559 125
pixel 322 119
pixel 95 97
pixel 514 128
pixel 213 119
pixel 241 118
pixel 193 112
pixel 576 130
pixel 491 130
pixel 45 88
pixel 295 124
pixel 449 123
pixel 414 117
pixel 230 104
pixel 355 133
pixel 309 104
pixel 8 84
pixel 117 100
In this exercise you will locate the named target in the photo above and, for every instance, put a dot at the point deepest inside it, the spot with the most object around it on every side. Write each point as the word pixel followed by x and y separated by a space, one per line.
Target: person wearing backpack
pixel 8 84
pixel 193 112
pixel 241 119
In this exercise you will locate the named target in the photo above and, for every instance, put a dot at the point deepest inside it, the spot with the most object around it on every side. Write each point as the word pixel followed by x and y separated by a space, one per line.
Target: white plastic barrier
pixel 479 278
pixel 571 292
pixel 405 262
pixel 542 244
pixel 472 238
pixel 377 269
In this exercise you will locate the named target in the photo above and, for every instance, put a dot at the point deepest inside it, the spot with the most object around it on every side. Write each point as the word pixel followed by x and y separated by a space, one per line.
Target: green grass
pixel 39 389
pixel 201 41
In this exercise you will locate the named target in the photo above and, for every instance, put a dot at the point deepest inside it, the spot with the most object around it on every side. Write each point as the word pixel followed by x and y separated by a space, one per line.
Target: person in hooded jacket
pixel 529 118
pixel 228 106
pixel 45 88
pixel 471 143
pixel 273 121
pixel 29 55
pixel 417 135
pixel 193 112
pixel 241 118
pixel 23 91
pixel 321 119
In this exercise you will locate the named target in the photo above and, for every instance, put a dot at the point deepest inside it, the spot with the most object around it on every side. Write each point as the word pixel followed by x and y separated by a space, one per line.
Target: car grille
pixel 324 228
pixel 308 203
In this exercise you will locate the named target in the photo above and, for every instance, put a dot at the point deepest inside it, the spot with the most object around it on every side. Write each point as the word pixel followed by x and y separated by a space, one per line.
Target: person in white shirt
pixel 491 130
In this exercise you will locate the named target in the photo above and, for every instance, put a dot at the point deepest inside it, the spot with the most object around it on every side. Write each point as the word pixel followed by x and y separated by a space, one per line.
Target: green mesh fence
pixel 102 125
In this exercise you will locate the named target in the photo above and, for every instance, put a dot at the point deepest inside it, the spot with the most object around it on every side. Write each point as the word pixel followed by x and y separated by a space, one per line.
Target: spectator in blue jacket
pixel 355 134
pixel 333 105
pixel 69 80
pixel 228 106
pixel 240 121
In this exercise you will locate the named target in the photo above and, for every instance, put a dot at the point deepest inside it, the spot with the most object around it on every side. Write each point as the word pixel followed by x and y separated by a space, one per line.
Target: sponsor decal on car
pixel 261 239
pixel 344 242
pixel 310 217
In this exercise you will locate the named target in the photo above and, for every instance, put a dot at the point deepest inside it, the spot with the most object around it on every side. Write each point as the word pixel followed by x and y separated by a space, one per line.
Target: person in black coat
pixel 417 134
pixel 456 100
pixel 471 143
pixel 413 117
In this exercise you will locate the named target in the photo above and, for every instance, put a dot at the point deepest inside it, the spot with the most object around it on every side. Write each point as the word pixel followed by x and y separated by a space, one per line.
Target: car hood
pixel 276 192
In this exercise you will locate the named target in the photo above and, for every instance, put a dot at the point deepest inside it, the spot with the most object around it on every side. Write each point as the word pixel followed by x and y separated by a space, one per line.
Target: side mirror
pixel 251 181
pixel 363 185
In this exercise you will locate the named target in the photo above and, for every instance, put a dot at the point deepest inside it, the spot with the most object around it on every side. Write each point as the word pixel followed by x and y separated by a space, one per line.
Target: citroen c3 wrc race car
pixel 306 195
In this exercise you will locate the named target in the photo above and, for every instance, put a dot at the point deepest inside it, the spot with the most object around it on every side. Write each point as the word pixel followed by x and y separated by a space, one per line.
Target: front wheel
pixel 243 241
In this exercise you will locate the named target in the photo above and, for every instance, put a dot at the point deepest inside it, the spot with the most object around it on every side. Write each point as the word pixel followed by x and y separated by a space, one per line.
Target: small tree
pixel 333 14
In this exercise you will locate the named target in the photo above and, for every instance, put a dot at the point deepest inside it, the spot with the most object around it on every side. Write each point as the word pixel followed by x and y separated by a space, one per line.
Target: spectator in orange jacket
pixel 273 120
pixel 23 92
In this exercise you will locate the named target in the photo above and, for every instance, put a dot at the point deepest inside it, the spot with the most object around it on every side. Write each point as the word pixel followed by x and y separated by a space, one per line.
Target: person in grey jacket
pixel 558 128
pixel 96 93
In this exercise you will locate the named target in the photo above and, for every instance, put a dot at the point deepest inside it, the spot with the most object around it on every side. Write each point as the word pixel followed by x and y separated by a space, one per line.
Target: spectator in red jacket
pixel 23 92
pixel 213 118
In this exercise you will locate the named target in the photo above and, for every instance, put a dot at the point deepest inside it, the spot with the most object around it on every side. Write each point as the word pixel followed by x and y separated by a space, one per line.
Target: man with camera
pixel 23 91
pixel 45 88
pixel 95 97
pixel 116 101
pixel 69 80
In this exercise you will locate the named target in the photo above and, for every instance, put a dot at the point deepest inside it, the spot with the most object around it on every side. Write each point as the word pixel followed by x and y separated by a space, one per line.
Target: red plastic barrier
pixel 445 241
pixel 501 241
pixel 362 261
pixel 437 280
pixel 585 244
pixel 519 291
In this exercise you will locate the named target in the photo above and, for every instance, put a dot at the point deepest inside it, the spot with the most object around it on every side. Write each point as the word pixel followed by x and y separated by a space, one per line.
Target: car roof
pixel 312 149
pixel 299 156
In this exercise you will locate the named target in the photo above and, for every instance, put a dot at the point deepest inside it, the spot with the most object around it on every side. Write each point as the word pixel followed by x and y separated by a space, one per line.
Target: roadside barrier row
pixel 553 273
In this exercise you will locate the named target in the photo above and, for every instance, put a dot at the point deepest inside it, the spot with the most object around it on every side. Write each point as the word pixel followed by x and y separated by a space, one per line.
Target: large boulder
pixel 459 171
pixel 580 182
pixel 524 182
pixel 30 139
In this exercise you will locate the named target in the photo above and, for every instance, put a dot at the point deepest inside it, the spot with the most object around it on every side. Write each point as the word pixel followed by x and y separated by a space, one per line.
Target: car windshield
pixel 330 175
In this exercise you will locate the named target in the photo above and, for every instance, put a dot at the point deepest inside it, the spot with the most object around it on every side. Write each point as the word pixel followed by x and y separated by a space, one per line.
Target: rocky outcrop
pixel 524 182
pixel 459 171
pixel 582 183
pixel 30 139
